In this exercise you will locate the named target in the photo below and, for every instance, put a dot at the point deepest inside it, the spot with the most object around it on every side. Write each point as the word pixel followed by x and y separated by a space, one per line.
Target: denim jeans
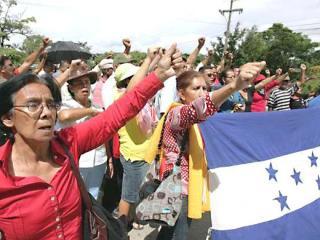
pixel 133 175
pixel 180 230
pixel 93 178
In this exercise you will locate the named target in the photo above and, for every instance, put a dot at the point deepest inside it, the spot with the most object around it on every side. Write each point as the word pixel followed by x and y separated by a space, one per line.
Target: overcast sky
pixel 104 23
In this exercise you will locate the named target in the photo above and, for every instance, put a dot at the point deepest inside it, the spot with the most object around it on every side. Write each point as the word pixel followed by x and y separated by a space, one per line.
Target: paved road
pixel 198 230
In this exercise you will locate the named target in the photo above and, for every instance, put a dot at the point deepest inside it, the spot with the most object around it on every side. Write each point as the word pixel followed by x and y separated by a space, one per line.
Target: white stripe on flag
pixel 243 195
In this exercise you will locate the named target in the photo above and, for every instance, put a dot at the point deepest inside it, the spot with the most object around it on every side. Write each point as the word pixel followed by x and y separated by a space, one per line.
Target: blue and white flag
pixel 264 171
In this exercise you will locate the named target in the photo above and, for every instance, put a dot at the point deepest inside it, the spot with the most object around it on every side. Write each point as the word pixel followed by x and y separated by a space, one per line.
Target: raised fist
pixel 201 42
pixel 267 71
pixel 45 42
pixel 303 67
pixel 126 42
pixel 279 71
pixel 210 52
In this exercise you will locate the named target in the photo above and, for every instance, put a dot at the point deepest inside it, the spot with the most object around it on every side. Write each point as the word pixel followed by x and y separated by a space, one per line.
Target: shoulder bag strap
pixel 76 173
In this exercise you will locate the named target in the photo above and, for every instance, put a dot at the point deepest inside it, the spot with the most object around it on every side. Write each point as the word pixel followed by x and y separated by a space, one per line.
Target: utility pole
pixel 230 11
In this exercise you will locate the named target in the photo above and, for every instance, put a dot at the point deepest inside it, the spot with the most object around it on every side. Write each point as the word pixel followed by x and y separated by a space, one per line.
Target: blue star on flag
pixel 313 160
pixel 282 200
pixel 296 177
pixel 272 172
pixel 318 182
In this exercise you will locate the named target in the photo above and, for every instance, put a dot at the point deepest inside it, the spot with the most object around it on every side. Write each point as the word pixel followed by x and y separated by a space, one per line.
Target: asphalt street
pixel 198 230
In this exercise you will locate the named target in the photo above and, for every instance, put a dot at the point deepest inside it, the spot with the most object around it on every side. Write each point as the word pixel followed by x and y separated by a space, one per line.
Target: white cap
pixel 106 63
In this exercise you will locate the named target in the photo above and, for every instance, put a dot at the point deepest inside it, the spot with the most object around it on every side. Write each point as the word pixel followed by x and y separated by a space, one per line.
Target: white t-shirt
pixel 89 159
pixel 166 96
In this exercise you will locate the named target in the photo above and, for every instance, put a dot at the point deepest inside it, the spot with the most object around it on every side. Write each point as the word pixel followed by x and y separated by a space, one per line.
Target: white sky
pixel 104 23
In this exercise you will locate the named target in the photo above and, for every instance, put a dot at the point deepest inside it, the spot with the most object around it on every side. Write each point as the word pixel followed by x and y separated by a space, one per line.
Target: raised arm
pixel 41 64
pixel 33 57
pixel 127 46
pixel 264 82
pixel 94 132
pixel 193 56
pixel 62 78
pixel 208 58
pixel 303 69
pixel 225 62
pixel 247 73
pixel 144 68
pixel 71 115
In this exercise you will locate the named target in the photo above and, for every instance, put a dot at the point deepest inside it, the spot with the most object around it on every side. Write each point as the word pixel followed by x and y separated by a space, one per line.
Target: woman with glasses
pixel 39 195
pixel 235 103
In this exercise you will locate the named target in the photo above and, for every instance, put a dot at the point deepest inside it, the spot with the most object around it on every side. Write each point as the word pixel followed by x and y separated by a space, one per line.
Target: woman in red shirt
pixel 39 196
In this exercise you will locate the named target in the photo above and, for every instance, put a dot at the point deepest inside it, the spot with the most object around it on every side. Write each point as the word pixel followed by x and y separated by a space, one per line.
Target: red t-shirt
pixel 259 99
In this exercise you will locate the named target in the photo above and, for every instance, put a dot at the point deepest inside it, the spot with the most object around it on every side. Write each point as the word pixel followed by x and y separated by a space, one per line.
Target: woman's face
pixel 197 88
pixel 81 88
pixel 34 113
pixel 211 76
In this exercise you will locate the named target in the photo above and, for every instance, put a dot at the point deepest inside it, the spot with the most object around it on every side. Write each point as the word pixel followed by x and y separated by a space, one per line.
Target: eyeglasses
pixel 35 107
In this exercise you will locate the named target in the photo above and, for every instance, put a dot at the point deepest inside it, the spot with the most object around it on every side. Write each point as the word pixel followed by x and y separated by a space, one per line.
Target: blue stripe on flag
pixel 302 224
pixel 251 137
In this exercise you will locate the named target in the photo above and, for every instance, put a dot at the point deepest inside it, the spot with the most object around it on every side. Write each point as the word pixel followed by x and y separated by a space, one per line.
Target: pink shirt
pixel 96 96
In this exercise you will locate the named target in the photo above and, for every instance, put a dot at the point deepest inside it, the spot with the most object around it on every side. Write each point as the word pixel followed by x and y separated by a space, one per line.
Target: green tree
pixel 15 55
pixel 234 40
pixel 253 48
pixel 137 57
pixel 278 45
pixel 31 43
pixel 286 48
pixel 12 24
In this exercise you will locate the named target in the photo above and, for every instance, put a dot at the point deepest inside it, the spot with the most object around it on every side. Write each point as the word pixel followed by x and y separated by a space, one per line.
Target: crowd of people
pixel 107 117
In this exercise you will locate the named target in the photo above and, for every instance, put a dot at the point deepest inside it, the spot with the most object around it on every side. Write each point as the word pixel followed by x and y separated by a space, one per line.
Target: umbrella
pixel 66 50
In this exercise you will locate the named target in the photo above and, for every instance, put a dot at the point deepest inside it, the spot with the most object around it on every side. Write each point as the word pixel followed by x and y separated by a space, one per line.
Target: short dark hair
pixel 223 74
pixel 9 88
pixel 202 69
pixel 3 59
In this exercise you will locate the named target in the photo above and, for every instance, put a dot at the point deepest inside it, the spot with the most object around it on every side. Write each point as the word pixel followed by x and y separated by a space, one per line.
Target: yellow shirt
pixel 133 143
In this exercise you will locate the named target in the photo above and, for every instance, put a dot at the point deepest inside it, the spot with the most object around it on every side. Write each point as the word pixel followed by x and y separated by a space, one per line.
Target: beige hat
pixel 125 71
pixel 93 76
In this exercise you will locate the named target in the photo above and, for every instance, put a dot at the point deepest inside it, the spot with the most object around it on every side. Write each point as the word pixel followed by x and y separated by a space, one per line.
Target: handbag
pixel 97 222
pixel 161 201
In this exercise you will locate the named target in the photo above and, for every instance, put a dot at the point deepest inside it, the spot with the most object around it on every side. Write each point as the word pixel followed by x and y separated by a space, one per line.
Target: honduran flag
pixel 264 171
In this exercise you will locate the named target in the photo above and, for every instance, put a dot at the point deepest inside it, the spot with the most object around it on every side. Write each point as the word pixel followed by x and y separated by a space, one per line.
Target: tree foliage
pixel 286 48
pixel 31 43
pixel 235 38
pixel 15 55
pixel 137 57
pixel 279 46
pixel 11 24
pixel 253 48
